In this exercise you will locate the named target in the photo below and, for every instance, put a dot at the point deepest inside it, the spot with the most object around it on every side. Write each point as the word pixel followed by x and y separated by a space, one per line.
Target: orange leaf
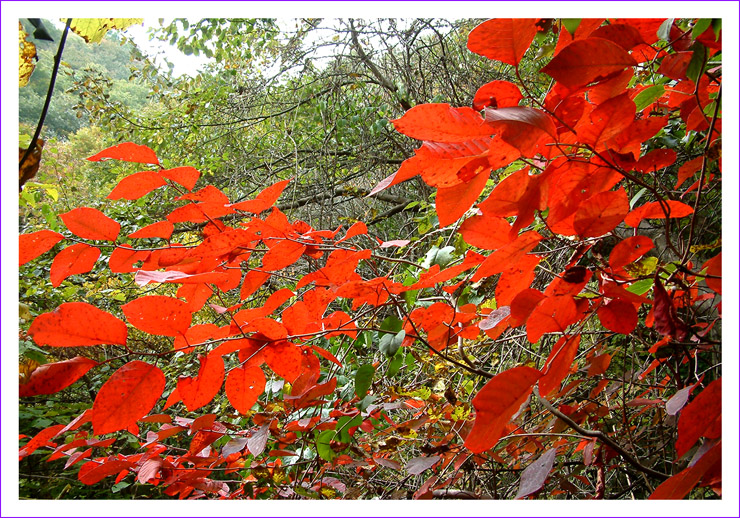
pixel 264 200
pixel 50 378
pixel 515 279
pixel 244 386
pixel 89 223
pixel 282 255
pixel 486 231
pixel 158 315
pixel 136 185
pixel 608 120
pixel 714 267
pixel 75 324
pixel 199 390
pixel 629 250
pixel 185 176
pixel 36 243
pixel 600 213
pixel 253 280
pixel 496 403
pixel 551 314
pixel 75 259
pixel 128 395
pixel 503 39
pixel 584 61
pixel 123 258
pixel 618 316
pixel 497 94
pixel 503 258
pixel 128 152
pixel 357 229
pixel 558 364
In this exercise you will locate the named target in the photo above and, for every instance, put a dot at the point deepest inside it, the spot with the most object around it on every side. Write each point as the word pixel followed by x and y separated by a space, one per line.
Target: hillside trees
pixel 561 339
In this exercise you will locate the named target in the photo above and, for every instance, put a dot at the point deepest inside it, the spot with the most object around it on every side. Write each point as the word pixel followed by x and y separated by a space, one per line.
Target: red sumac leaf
pixel 199 390
pixel 584 61
pixel 285 360
pixel 700 418
pixel 264 200
pixel 75 324
pixel 534 476
pixel 128 152
pixel 89 223
pixel 496 403
pixel 128 395
pixel 503 39
pixel 629 250
pixel 50 378
pixel 666 320
pixel 161 229
pixel 600 213
pixel 618 316
pixel 136 185
pixel 558 364
pixel 32 245
pixel 158 315
pixel 244 386
pixel 73 260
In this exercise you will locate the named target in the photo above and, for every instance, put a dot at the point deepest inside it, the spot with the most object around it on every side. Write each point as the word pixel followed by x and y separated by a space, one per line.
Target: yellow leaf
pixel 27 51
pixel 93 30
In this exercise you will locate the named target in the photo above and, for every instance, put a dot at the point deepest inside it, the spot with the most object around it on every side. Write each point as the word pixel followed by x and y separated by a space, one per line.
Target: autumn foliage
pixel 581 249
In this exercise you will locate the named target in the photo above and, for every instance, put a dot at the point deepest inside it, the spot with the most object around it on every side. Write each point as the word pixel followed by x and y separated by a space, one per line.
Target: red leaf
pixel 453 202
pixel 654 210
pixel 93 472
pixel 584 61
pixel 285 360
pixel 283 254
pixel 503 39
pixel 680 484
pixel 357 229
pixel 223 243
pixel 600 213
pixel 626 36
pixel 599 364
pixel 558 364
pixel 144 277
pixel 523 304
pixel 161 229
pixel 700 418
pixel 503 258
pixel 128 395
pixel 40 439
pixel 486 231
pixel 496 403
pixel 494 318
pixel 515 279
pixel 527 129
pixel 675 65
pixel 244 386
pixel 553 314
pixel 123 258
pixel 534 476
pixel 128 152
pixel 629 250
pixel 89 223
pixel 714 267
pixel 519 194
pixel 158 315
pixel 666 320
pixel 136 185
pixel 497 94
pixel 655 160
pixel 607 120
pixel 688 169
pixel 264 200
pixel 442 123
pixel 199 390
pixel 253 280
pixel 73 260
pixel 185 176
pixel 618 316
pixel 50 378
pixel 75 324
pixel 36 243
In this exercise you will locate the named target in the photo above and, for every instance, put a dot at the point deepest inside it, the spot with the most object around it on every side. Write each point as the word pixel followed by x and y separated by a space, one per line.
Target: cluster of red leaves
pixel 580 150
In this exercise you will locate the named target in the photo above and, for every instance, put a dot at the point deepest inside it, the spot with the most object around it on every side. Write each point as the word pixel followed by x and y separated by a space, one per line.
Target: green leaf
pixel 698 60
pixel 344 423
pixel 392 324
pixel 701 25
pixel 716 27
pixel 395 365
pixel 323 445
pixel 571 24
pixel 389 344
pixel 640 287
pixel 440 256
pixel 364 379
pixel 648 96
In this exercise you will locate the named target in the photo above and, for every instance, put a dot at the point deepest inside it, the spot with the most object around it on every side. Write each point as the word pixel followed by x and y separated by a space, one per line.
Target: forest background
pixel 127 93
